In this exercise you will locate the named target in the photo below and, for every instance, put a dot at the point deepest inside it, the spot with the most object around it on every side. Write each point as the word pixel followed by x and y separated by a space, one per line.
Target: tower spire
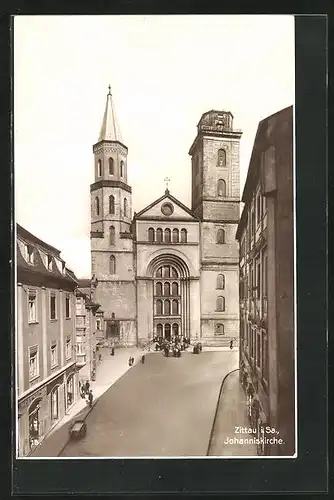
pixel 110 130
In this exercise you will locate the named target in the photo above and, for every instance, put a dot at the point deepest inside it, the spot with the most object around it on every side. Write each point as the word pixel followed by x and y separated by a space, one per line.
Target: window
pixel 54 356
pixel 220 304
pixel 67 307
pixel 32 316
pixel 159 330
pixel 122 168
pixel 112 264
pixel 68 348
pixel 49 262
pixel 221 158
pixel 111 166
pixel 159 273
pixel 159 307
pixel 167 307
pixel 258 280
pixel 98 324
pixel 175 289
pixel 159 289
pixel 97 205
pixel 111 204
pixel 70 390
pixel 30 254
pixel 125 207
pixel 252 222
pixel 220 329
pixel 166 272
pixel 175 329
pixel 265 357
pixel 221 281
pixel 174 273
pixel 258 208
pixel 221 188
pixel 111 235
pixel 151 234
pixel 167 235
pixel 183 236
pixel 99 168
pixel 54 404
pixel 220 236
pixel 33 362
pixel 166 289
pixel 159 235
pixel 53 307
pixel 175 307
pixel 264 276
pixel 175 235
pixel 258 350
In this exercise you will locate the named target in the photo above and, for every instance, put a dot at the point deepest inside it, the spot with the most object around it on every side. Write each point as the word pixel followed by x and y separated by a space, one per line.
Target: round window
pixel 167 209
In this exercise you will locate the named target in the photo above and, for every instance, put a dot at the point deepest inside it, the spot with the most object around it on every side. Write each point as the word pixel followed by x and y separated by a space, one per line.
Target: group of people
pixel 86 392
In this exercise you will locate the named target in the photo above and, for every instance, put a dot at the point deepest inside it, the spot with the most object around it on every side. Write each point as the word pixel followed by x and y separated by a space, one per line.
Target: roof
pixel 166 195
pixel 26 235
pixel 84 283
pixel 110 130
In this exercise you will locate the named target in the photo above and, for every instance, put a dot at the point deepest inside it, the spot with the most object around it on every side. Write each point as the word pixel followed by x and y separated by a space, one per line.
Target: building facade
pixel 266 238
pixel 46 340
pixel 168 269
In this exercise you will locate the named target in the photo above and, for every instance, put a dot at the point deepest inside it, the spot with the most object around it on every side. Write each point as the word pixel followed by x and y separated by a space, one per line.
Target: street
pixel 164 407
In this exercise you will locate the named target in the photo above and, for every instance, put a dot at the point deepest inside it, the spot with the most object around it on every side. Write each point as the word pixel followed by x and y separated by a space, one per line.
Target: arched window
pixel 111 166
pixel 167 235
pixel 220 236
pixel 221 158
pixel 111 204
pixel 166 272
pixel 166 289
pixel 112 264
pixel 175 329
pixel 221 188
pixel 158 289
pixel 159 235
pixel 111 235
pixel 159 330
pixel 97 205
pixel 175 289
pixel 221 281
pixel 183 236
pixel 151 234
pixel 159 307
pixel 220 329
pixel 122 168
pixel 125 207
pixel 167 307
pixel 175 235
pixel 159 273
pixel 220 304
pixel 99 168
pixel 175 307
pixel 174 273
pixel 54 404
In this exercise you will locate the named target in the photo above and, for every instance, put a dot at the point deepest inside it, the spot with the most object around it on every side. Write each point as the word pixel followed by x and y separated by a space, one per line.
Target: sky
pixel 164 72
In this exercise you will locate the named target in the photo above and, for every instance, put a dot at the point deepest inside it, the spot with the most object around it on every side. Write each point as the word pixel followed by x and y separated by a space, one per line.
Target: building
pixel 45 333
pixel 168 269
pixel 265 235
pixel 89 325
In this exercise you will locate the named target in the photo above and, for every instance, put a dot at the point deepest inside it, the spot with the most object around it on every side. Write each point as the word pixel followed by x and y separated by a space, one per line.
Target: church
pixel 168 269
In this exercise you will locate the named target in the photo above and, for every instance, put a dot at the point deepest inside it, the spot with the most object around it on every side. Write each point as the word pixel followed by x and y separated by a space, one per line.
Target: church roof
pixel 171 198
pixel 110 130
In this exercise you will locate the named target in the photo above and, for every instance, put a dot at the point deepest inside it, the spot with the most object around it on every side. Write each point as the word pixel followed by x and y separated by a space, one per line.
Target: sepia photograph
pixel 154 173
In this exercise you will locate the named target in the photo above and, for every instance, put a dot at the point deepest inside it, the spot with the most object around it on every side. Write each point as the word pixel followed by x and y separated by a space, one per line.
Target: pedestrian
pixel 130 361
pixel 113 351
pixel 143 358
pixel 231 344
pixel 100 357
pixel 87 385
pixel 90 398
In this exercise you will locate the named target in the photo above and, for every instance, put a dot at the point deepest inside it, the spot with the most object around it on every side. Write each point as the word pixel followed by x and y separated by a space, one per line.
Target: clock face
pixel 167 209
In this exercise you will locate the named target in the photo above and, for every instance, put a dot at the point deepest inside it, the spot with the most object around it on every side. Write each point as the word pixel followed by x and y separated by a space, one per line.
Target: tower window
pixel 175 289
pixel 175 307
pixel 159 235
pixel 167 236
pixel 151 234
pixel 158 290
pixel 220 236
pixel 122 168
pixel 97 205
pixel 221 281
pixel 112 264
pixel 167 289
pixel 99 168
pixel 221 158
pixel 111 166
pixel 221 188
pixel 125 207
pixel 175 235
pixel 183 236
pixel 111 204
pixel 111 235
pixel 167 307
pixel 220 305
pixel 159 307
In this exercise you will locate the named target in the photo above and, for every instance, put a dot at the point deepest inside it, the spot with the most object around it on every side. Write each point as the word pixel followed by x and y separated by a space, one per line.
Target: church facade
pixel 168 270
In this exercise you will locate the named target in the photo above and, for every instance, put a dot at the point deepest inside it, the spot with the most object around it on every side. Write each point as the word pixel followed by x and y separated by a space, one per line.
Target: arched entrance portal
pixel 171 297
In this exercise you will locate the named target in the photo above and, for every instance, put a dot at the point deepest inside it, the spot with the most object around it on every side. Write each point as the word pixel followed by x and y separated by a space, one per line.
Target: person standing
pixel 231 344
pixel 143 358
pixel 87 385
pixel 90 398
pixel 130 361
